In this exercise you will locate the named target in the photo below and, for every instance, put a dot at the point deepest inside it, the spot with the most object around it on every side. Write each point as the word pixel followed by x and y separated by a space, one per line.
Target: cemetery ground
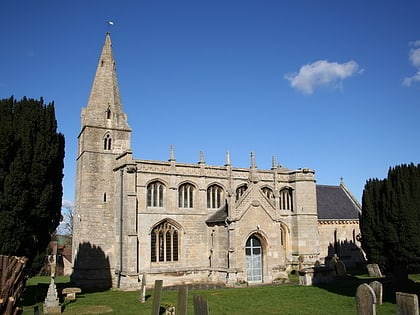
pixel 337 297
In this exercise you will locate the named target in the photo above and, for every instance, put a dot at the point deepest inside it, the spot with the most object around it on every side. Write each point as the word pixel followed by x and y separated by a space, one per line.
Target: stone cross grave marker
pixel 407 304
pixel 365 300
pixel 378 289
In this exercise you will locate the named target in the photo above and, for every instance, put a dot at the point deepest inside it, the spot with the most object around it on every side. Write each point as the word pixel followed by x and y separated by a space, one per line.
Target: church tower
pixel 104 136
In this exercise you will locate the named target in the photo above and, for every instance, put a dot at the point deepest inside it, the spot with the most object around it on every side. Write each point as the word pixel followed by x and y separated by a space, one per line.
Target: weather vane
pixel 110 23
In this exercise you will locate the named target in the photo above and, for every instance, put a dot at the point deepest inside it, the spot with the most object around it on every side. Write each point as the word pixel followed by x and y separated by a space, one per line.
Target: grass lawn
pixel 334 298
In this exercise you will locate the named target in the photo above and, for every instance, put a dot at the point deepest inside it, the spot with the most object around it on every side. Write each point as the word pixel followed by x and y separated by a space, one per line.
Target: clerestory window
pixel 155 193
pixel 240 191
pixel 214 197
pixel 186 196
pixel 286 199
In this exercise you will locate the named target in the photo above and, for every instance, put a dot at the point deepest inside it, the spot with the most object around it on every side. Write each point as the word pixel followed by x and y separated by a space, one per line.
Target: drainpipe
pixel 228 251
pixel 121 226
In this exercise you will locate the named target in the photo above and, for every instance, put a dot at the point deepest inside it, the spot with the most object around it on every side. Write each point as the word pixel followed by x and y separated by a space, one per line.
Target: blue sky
pixel 329 85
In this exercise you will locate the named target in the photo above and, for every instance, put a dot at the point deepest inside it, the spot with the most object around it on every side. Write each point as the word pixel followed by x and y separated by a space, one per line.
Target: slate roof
pixel 336 203
pixel 219 216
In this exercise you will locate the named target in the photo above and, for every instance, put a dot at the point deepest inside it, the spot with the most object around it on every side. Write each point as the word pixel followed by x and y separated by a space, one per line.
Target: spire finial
pixel 172 153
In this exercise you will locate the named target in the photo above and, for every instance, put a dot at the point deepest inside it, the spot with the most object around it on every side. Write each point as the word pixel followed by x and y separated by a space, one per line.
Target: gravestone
pixel 378 289
pixel 143 288
pixel 182 300
pixel 407 304
pixel 156 297
pixel 374 271
pixel 365 300
pixel 201 306
pixel 340 268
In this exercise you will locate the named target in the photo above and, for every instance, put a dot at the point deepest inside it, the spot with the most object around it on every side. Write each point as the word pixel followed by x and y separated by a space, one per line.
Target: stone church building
pixel 188 223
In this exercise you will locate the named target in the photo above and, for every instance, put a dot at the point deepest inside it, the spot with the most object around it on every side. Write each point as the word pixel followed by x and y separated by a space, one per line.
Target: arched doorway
pixel 254 261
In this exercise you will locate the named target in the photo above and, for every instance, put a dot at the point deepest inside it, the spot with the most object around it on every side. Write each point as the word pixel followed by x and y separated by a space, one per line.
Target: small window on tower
pixel 104 197
pixel 108 114
pixel 107 142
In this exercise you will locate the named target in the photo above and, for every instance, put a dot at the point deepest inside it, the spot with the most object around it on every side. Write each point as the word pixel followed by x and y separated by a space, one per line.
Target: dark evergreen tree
pixel 31 173
pixel 390 221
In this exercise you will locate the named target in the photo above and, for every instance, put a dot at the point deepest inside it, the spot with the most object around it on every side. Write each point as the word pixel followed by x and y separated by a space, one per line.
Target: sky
pixel 333 86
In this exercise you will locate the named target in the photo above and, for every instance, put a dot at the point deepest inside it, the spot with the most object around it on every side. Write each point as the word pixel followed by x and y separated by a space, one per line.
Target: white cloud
pixel 414 57
pixel 322 73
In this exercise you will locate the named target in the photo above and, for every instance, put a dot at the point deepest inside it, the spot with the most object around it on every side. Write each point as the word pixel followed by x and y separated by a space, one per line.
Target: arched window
pixel 164 243
pixel 240 191
pixel 108 113
pixel 186 196
pixel 286 199
pixel 268 192
pixel 107 142
pixel 214 197
pixel 155 194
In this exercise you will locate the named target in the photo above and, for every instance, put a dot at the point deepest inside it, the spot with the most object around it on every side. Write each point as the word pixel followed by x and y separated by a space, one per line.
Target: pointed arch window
pixel 215 197
pixel 164 243
pixel 107 142
pixel 186 196
pixel 155 194
pixel 108 113
pixel 240 191
pixel 268 192
pixel 286 199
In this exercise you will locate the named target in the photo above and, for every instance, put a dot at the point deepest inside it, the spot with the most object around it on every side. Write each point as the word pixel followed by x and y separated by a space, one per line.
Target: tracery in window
pixel 214 196
pixel 268 192
pixel 164 243
pixel 186 196
pixel 155 191
pixel 240 191
pixel 107 142
pixel 286 199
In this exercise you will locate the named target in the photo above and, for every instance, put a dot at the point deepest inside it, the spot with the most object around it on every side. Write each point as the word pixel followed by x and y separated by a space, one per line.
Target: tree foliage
pixel 390 221
pixel 31 173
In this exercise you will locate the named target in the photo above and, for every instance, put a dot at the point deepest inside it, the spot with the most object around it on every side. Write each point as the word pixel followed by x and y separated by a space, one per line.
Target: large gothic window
pixel 286 199
pixel 164 243
pixel 186 196
pixel 214 197
pixel 155 194
pixel 240 191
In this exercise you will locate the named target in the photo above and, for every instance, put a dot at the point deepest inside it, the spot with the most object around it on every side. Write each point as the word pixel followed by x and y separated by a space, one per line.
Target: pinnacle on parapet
pixel 201 161
pixel 172 153
pixel 227 158
pixel 253 165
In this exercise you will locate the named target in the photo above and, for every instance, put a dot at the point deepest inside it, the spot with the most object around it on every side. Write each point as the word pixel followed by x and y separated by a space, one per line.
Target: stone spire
pixel 104 104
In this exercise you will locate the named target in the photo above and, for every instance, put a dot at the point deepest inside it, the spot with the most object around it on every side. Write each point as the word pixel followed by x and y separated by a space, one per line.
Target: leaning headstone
pixel 201 306
pixel 365 300
pixel 378 289
pixel 156 297
pixel 374 271
pixel 51 303
pixel 407 304
pixel 340 268
pixel 182 300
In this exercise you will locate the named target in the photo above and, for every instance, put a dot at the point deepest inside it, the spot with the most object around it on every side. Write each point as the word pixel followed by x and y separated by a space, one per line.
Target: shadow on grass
pixel 347 286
